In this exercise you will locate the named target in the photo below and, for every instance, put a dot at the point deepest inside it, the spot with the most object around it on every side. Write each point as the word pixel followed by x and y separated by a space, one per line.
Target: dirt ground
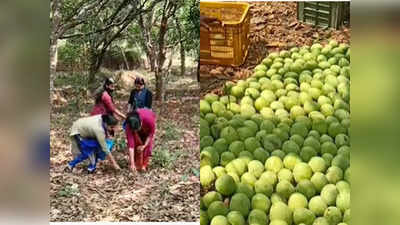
pixel 169 191
pixel 273 27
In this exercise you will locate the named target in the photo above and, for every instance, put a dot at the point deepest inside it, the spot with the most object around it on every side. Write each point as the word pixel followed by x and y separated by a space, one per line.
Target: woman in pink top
pixel 104 102
pixel 140 130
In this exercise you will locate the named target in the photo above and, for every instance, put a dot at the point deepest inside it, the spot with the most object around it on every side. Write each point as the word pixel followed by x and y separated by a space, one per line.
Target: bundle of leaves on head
pixel 276 146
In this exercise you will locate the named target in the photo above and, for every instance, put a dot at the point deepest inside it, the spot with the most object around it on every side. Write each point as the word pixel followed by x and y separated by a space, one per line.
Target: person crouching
pixel 140 129
pixel 91 139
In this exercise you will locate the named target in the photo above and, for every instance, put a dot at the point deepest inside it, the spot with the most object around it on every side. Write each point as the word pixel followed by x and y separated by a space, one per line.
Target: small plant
pixel 120 144
pixel 185 178
pixel 69 191
pixel 163 158
pixel 171 131
pixel 196 121
pixel 164 189
pixel 196 172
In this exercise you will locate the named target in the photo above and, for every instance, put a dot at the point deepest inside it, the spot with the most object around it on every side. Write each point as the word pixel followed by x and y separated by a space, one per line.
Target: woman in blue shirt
pixel 140 95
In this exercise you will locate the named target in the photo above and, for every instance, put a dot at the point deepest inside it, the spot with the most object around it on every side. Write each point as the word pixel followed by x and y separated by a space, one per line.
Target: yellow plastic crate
pixel 228 44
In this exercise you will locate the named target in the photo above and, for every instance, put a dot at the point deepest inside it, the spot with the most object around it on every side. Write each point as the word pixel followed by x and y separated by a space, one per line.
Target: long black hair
pixel 107 82
pixel 109 119
pixel 133 118
pixel 140 81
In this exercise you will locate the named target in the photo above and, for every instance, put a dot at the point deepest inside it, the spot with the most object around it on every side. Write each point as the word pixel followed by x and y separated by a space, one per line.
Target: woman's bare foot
pixel 133 169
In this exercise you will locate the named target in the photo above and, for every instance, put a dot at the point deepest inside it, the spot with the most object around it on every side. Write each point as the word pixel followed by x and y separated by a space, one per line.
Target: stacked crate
pixel 324 14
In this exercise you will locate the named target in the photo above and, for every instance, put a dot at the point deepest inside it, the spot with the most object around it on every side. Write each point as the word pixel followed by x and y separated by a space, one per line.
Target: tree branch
pixel 131 16
pixel 113 16
pixel 112 25
pixel 75 11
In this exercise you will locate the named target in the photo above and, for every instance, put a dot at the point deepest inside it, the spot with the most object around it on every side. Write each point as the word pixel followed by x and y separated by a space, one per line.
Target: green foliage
pixel 172 131
pixel 76 80
pixel 120 144
pixel 163 158
pixel 71 54
pixel 196 172
pixel 68 191
pixel 96 28
pixel 190 17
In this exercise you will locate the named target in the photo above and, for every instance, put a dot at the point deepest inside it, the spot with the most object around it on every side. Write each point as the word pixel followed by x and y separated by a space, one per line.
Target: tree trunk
pixel 169 9
pixel 161 53
pixel 55 26
pixel 171 58
pixel 159 84
pixel 125 60
pixel 94 66
pixel 181 45
pixel 151 61
pixel 198 70
pixel 96 59
pixel 53 61
pixel 146 42
pixel 150 57
pixel 183 66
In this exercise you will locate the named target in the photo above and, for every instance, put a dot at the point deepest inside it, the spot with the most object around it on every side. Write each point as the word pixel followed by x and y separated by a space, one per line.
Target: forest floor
pixel 168 191
pixel 273 27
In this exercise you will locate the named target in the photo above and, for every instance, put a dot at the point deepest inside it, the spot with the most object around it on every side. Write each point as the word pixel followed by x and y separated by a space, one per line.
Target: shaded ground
pixel 169 191
pixel 273 27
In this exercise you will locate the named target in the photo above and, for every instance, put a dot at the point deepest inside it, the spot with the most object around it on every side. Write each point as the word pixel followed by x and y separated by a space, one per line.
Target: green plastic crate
pixel 324 14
